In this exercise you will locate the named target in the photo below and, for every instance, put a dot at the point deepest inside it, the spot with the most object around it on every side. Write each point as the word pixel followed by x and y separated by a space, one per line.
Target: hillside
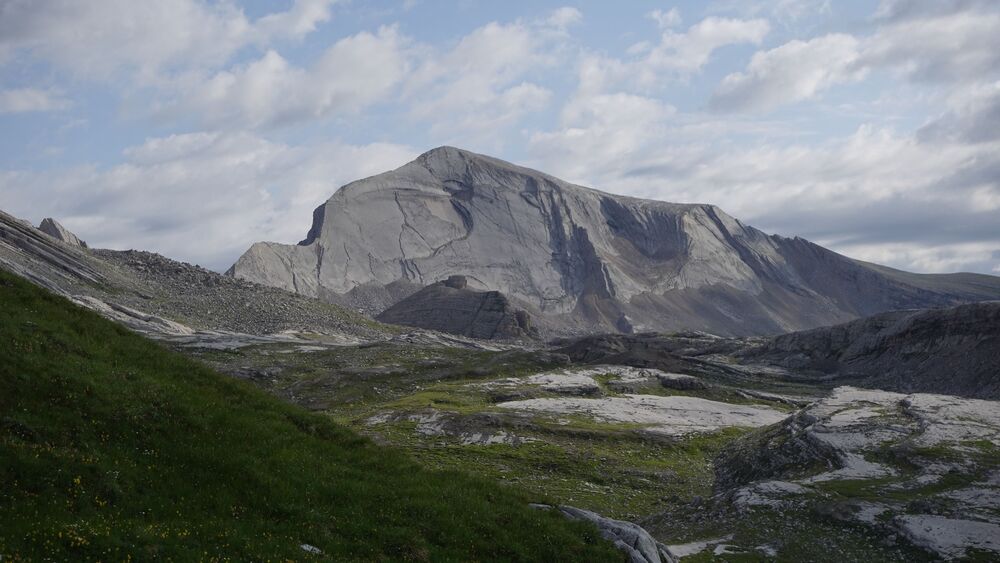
pixel 954 350
pixel 112 447
pixel 167 298
pixel 580 260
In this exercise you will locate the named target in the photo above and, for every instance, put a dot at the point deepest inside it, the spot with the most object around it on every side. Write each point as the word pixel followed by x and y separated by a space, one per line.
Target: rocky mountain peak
pixel 579 260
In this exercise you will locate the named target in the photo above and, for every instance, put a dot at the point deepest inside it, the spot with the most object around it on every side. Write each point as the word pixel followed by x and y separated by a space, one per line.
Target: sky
pixel 194 128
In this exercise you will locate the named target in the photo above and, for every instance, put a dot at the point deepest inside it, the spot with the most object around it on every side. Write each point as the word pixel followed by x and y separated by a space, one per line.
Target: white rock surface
pixel 671 416
pixel 692 548
pixel 136 320
pixel 767 493
pixel 948 537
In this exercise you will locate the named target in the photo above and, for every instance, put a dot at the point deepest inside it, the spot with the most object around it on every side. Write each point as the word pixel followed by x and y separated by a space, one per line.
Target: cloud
pixel 874 188
pixel 200 197
pixel 785 12
pixel 598 132
pixel 687 52
pixel 938 46
pixel 665 19
pixel 300 20
pixel 483 82
pixel 354 72
pixel 973 117
pixel 794 71
pixel 563 18
pixel 928 42
pixel 96 39
pixel 23 100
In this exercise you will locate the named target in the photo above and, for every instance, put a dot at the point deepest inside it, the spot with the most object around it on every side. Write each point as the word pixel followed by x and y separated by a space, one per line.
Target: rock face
pixel 954 350
pixel 52 228
pixel 582 260
pixel 450 306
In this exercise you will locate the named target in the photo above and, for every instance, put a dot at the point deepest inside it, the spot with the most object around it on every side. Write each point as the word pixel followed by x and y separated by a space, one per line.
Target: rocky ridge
pixel 170 299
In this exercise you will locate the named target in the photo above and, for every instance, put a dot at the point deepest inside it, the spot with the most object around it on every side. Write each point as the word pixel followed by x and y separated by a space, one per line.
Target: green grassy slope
pixel 112 446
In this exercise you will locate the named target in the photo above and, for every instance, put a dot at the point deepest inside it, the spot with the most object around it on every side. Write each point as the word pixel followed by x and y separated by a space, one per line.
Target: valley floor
pixel 895 477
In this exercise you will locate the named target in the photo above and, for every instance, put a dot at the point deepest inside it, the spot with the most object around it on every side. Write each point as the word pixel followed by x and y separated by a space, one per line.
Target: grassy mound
pixel 113 447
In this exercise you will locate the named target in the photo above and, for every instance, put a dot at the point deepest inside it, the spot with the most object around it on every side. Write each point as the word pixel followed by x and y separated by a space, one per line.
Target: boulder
pixel 630 538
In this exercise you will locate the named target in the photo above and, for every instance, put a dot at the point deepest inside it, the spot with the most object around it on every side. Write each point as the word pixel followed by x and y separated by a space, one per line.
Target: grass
pixel 114 448
pixel 608 468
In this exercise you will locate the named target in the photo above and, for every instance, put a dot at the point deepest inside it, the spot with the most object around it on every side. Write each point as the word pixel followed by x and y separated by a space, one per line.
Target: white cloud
pixel 794 71
pixel 300 20
pixel 482 84
pixel 939 259
pixel 875 188
pixel 959 45
pixel 565 17
pixel 973 116
pixel 676 56
pixel 665 19
pixel 352 73
pixel 598 132
pixel 23 100
pixel 199 197
pixel 94 39
pixel 942 43
pixel 786 12
pixel 688 52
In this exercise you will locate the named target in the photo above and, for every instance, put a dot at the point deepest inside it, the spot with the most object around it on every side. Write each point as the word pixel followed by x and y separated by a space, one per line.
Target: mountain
pixel 578 259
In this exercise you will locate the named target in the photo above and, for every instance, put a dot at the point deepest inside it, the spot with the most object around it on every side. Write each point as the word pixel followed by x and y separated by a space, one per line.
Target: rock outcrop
pixel 582 260
pixel 954 350
pixel 920 465
pixel 450 306
pixel 631 539
pixel 52 228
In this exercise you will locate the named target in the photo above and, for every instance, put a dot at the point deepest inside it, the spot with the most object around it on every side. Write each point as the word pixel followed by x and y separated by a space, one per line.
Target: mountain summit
pixel 578 259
